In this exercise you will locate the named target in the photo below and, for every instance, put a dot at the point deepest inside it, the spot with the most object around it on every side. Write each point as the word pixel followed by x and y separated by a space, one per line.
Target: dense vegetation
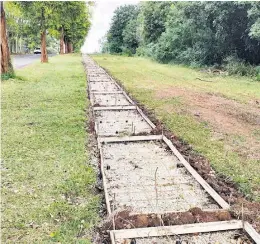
pixel 220 34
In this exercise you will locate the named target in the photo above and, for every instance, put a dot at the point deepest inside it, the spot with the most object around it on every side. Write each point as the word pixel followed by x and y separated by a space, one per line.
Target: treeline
pixel 220 34
pixel 46 23
pixel 27 25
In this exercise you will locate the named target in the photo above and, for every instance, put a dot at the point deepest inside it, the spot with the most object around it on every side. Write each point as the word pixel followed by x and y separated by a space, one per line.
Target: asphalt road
pixel 19 61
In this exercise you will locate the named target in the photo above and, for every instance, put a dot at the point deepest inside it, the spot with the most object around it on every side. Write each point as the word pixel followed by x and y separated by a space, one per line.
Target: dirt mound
pixel 126 220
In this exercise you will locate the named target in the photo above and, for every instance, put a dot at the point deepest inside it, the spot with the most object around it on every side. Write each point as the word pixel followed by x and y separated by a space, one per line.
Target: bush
pixel 257 68
pixel 140 51
pixel 146 51
pixel 235 66
pixel 126 52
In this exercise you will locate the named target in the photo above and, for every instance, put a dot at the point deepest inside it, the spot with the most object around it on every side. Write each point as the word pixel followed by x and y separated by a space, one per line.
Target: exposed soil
pixel 224 187
pixel 225 115
pixel 126 220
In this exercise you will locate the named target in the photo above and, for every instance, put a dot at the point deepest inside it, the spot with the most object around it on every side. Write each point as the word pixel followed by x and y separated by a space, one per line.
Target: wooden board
pixel 106 93
pixel 252 232
pixel 130 138
pixel 146 118
pixel 114 108
pixel 109 210
pixel 177 229
pixel 128 98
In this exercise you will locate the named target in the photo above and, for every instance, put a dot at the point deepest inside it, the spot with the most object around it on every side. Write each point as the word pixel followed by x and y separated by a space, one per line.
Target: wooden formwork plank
pixel 177 229
pixel 146 118
pixel 107 93
pixel 109 210
pixel 252 232
pixel 115 108
pixel 101 80
pixel 195 174
pixel 127 97
pixel 130 138
pixel 112 237
pixel 96 73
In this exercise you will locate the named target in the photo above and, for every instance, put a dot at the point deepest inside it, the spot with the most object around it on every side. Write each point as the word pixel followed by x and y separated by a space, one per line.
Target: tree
pixel 6 65
pixel 254 17
pixel 41 16
pixel 154 19
pixel 71 25
pixel 15 26
pixel 206 33
pixel 193 33
pixel 122 16
pixel 130 40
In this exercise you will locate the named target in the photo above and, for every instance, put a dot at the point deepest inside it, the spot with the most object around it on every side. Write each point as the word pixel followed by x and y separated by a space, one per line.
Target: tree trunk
pixel 62 48
pixel 44 55
pixel 6 65
pixel 70 48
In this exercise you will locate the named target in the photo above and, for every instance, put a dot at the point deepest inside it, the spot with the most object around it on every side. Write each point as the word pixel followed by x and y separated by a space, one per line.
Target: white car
pixel 37 50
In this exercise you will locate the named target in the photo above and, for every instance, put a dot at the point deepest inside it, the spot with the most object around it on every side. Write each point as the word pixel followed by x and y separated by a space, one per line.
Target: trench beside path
pixel 152 193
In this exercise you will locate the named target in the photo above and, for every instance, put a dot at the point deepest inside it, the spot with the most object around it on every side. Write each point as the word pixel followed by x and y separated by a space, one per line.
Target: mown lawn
pixel 145 79
pixel 47 183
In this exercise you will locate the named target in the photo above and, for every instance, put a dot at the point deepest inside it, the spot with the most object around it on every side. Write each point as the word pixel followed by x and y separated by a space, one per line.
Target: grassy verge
pixel 145 79
pixel 46 180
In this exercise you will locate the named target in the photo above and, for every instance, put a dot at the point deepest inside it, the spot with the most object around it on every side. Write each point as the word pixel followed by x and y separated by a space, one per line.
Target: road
pixel 19 61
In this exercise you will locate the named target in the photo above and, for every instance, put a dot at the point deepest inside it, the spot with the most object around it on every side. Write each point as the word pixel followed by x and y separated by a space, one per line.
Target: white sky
pixel 102 14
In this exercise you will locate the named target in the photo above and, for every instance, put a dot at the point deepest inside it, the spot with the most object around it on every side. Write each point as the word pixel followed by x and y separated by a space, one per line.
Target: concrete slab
pixel 103 86
pixel 146 177
pixel 120 123
pixel 109 100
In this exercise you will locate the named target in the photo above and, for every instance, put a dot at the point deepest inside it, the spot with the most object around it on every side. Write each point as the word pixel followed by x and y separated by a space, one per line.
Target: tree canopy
pixel 193 33
pixel 67 21
pixel 115 36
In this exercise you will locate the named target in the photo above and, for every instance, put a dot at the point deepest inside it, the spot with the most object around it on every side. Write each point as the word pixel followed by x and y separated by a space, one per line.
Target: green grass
pixel 155 75
pixel 144 78
pixel 47 183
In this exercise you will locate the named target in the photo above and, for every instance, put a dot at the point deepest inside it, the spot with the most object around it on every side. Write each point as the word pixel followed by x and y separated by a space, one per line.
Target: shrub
pixel 146 51
pixel 126 52
pixel 235 66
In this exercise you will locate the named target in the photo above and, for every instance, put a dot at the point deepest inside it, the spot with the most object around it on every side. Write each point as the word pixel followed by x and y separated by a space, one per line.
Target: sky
pixel 102 14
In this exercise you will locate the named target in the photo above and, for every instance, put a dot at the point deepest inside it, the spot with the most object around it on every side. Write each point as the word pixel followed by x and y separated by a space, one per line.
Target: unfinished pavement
pixel 145 177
